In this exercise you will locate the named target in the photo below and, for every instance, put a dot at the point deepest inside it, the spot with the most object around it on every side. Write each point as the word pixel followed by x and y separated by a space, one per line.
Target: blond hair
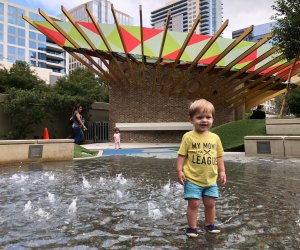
pixel 202 106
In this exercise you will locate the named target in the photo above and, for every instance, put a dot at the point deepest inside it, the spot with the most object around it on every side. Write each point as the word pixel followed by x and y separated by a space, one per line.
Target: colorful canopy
pixel 152 40
pixel 222 64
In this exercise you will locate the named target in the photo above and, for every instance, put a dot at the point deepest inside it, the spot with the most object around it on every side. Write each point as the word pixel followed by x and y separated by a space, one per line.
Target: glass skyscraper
pixel 259 31
pixel 21 41
pixel 101 10
pixel 184 12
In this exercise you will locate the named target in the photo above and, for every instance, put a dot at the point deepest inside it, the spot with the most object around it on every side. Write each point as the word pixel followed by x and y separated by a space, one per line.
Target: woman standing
pixel 78 124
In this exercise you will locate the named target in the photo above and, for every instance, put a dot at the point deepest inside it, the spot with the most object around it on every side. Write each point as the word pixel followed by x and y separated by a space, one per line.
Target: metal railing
pixel 97 132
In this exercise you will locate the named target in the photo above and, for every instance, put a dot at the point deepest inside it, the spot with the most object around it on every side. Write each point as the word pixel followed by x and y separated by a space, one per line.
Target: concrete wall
pixel 280 146
pixel 292 146
pixel 99 111
pixel 276 145
pixel 283 126
pixel 16 151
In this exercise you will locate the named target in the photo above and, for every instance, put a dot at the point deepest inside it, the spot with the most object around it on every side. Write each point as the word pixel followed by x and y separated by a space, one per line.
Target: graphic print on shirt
pixel 204 153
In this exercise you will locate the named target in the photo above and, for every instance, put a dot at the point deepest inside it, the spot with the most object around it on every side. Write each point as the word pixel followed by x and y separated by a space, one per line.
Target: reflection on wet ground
pixel 122 202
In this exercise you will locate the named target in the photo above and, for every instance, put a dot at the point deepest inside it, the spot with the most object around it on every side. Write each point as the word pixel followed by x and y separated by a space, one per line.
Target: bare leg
pixel 192 212
pixel 209 210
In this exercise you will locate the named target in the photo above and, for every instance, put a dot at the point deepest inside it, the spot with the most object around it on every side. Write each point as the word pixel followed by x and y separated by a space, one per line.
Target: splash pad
pixel 123 202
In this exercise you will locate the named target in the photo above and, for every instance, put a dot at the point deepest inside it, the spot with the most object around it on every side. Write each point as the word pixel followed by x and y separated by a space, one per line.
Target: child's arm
pixel 221 170
pixel 180 173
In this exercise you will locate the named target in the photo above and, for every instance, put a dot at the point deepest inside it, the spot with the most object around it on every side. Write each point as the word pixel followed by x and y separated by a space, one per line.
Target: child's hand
pixel 222 178
pixel 181 177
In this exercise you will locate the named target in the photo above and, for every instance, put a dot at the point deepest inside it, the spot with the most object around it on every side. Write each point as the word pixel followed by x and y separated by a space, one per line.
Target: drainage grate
pixel 263 147
pixel 35 151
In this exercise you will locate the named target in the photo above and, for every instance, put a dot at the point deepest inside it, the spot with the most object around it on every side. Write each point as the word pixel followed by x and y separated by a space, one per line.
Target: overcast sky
pixel 240 13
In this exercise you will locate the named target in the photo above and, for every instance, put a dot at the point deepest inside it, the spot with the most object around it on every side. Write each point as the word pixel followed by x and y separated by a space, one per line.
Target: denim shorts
pixel 193 191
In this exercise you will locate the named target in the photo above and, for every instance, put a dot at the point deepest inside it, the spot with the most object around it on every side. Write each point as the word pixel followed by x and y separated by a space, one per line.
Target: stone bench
pixel 16 151
pixel 282 146
pixel 158 126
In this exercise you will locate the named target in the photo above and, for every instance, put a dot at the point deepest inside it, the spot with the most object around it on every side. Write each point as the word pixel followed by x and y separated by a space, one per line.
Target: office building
pixel 21 41
pixel 259 31
pixel 184 12
pixel 101 10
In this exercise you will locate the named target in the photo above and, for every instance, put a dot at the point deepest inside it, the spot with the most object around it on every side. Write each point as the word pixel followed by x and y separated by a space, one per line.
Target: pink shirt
pixel 117 137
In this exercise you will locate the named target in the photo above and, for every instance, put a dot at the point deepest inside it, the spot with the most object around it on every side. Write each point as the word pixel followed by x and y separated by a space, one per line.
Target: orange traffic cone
pixel 46 135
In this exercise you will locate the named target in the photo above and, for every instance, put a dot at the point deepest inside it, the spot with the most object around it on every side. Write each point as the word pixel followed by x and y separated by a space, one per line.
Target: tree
pixel 25 108
pixel 80 86
pixel 25 102
pixel 31 101
pixel 3 80
pixel 83 82
pixel 286 36
pixel 20 76
pixel 294 102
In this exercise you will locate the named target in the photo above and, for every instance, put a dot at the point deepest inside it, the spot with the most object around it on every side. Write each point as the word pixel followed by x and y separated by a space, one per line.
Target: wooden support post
pixel 255 84
pixel 264 87
pixel 243 70
pixel 227 92
pixel 229 66
pixel 266 97
pixel 142 45
pixel 198 57
pixel 90 43
pixel 158 62
pixel 27 19
pixel 166 84
pixel 106 43
pixel 62 32
pixel 123 44
pixel 224 53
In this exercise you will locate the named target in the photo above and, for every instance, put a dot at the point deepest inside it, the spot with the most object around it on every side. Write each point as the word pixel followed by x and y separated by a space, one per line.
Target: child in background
pixel 117 138
pixel 199 164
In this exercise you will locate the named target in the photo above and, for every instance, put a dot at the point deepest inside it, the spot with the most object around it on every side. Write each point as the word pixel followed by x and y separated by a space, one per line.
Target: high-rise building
pixel 21 41
pixel 101 10
pixel 184 12
pixel 259 31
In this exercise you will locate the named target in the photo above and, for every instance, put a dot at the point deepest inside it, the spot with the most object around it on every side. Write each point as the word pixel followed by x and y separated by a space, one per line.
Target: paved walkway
pixel 107 149
pixel 110 145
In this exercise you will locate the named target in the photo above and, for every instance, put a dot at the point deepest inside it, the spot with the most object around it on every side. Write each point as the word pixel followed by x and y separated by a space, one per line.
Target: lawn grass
pixel 80 152
pixel 232 133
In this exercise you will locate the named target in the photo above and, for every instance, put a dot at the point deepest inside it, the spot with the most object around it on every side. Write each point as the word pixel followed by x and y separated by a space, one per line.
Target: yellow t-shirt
pixel 201 152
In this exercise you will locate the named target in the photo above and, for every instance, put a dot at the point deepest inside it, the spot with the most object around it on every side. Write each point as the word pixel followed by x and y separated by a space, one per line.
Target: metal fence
pixel 97 132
